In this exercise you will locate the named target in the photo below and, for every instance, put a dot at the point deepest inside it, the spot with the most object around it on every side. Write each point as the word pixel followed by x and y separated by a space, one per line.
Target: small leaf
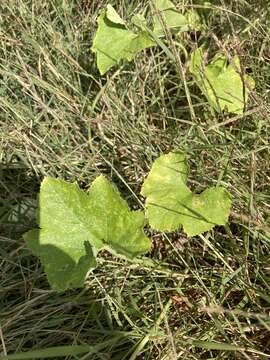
pixel 222 84
pixel 114 42
pixel 139 21
pixel 173 19
pixel 74 226
pixel 170 203
pixel 113 16
pixel 193 20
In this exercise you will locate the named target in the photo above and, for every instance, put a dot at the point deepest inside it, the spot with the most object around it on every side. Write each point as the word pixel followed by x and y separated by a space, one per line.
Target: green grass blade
pixel 211 345
pixel 49 352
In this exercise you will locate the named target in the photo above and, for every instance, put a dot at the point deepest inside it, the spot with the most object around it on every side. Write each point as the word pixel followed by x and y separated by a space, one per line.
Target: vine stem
pixel 146 264
pixel 175 56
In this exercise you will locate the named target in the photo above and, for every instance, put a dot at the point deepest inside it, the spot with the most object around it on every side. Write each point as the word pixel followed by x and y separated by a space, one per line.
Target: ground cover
pixel 201 297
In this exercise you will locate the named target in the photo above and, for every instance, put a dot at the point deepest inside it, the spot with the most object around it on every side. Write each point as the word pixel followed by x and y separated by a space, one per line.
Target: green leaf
pixel 170 203
pixel 62 351
pixel 75 225
pixel 62 270
pixel 173 19
pixel 194 20
pixel 51 352
pixel 139 21
pixel 206 210
pixel 163 187
pixel 222 84
pixel 114 42
pixel 212 345
pixel 113 16
pixel 120 229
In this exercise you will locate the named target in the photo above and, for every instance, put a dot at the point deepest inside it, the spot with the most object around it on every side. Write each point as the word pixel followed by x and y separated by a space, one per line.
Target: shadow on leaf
pixel 62 271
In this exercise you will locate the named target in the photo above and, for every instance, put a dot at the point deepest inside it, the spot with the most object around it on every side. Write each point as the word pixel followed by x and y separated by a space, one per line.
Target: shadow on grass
pixel 99 336
pixel 18 204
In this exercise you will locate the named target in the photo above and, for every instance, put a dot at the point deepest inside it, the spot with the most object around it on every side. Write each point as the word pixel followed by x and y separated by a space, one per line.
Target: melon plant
pixel 117 40
pixel 74 226
pixel 224 85
pixel 170 202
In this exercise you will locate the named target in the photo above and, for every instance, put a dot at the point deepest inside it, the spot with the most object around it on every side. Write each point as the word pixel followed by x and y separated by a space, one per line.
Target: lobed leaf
pixel 114 42
pixel 62 271
pixel 75 225
pixel 170 203
pixel 113 16
pixel 222 84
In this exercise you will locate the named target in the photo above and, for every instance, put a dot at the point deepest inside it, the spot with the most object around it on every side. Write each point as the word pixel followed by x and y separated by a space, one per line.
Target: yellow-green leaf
pixel 222 84
pixel 170 203
pixel 173 19
pixel 113 16
pixel 75 225
pixel 114 42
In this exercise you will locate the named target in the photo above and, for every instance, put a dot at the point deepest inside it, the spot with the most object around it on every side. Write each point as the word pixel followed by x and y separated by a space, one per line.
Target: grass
pixel 209 296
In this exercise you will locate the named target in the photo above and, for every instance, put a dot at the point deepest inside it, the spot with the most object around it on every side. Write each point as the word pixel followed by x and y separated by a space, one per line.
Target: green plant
pixel 114 40
pixel 170 203
pixel 60 118
pixel 223 85
pixel 75 226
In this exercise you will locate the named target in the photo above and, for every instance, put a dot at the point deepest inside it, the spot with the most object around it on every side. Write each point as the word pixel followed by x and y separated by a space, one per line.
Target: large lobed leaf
pixel 222 84
pixel 75 225
pixel 170 203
